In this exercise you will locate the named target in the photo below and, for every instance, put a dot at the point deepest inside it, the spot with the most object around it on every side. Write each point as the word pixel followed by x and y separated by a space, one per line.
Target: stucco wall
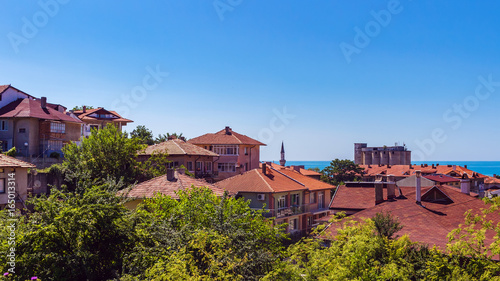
pixel 21 180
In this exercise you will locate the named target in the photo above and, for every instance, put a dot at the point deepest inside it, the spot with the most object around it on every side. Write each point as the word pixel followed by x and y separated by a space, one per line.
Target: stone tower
pixel 282 160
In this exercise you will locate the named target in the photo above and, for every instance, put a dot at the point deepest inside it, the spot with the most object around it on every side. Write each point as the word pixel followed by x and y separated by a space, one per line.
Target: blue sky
pixel 273 70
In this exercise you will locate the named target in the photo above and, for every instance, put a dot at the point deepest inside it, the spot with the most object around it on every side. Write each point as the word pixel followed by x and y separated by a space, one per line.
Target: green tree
pixel 81 107
pixel 340 171
pixel 143 134
pixel 108 154
pixel 386 225
pixel 202 235
pixel 71 236
pixel 164 137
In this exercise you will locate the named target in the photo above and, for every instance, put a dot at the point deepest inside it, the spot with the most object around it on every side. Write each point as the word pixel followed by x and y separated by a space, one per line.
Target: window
pixel 208 166
pixel 246 150
pixel 295 199
pixel 55 145
pixel 227 167
pixel 198 166
pixel 57 127
pixel 2 185
pixel 321 203
pixel 312 197
pixel 281 202
pixel 246 166
pixel 22 130
pixel 310 220
pixel 190 166
pixel 226 149
pixel 3 125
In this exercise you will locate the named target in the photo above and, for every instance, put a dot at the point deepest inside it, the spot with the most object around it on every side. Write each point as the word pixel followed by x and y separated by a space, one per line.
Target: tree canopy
pixel 108 154
pixel 81 107
pixel 143 134
pixel 340 171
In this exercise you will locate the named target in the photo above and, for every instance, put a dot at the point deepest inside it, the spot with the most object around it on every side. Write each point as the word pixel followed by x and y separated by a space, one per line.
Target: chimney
pixel 84 109
pixel 465 166
pixel 418 187
pixel 379 193
pixel 465 186
pixel 172 137
pixel 264 168
pixel 296 168
pixel 43 100
pixel 228 130
pixel 170 174
pixel 391 187
pixel 410 166
pixel 433 166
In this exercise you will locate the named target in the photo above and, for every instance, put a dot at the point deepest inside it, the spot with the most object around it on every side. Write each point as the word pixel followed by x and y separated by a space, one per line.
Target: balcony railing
pixel 292 210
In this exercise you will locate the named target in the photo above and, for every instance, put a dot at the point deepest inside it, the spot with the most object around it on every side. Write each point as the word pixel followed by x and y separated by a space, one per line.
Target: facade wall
pixel 29 136
pixel 7 136
pixel 21 180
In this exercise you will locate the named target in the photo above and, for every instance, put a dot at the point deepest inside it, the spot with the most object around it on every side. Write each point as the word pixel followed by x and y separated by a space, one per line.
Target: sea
pixel 488 168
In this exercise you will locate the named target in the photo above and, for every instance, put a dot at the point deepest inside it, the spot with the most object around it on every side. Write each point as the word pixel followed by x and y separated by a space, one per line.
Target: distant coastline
pixel 488 168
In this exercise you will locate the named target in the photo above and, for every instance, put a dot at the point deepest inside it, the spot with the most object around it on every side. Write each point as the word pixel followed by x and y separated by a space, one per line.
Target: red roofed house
pixel 98 118
pixel 404 171
pixel 238 153
pixel 34 126
pixel 289 196
pixel 197 160
pixel 427 212
pixel 168 185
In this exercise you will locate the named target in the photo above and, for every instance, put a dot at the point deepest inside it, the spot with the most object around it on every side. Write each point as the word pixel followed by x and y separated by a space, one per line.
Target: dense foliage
pixel 340 171
pixel 108 154
pixel 92 236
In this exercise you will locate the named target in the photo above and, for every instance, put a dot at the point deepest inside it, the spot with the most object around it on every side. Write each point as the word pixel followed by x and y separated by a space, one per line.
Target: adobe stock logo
pixel 31 27
pixel 277 124
pixel 372 29
pixel 138 94
pixel 455 117
pixel 223 6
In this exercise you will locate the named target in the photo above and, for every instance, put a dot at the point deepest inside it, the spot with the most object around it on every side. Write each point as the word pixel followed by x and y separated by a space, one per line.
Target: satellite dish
pixel 37 184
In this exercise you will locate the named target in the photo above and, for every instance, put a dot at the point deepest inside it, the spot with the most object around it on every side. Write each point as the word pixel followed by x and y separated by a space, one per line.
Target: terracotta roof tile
pixel 400 170
pixel 32 108
pixel 150 188
pixel 275 180
pixel 7 161
pixel 222 138
pixel 429 223
pixel 441 178
pixel 255 181
pixel 86 116
pixel 178 147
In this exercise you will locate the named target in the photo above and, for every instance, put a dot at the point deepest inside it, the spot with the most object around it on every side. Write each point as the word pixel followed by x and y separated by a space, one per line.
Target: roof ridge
pixel 179 147
pixel 268 185
pixel 289 177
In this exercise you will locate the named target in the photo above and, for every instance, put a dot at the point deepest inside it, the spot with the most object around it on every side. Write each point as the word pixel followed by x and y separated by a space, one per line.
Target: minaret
pixel 282 161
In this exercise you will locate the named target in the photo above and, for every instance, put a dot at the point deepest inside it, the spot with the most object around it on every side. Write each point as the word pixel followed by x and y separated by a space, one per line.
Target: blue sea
pixel 483 167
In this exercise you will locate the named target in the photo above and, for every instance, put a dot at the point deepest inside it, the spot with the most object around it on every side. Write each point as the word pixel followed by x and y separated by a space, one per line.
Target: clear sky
pixel 318 75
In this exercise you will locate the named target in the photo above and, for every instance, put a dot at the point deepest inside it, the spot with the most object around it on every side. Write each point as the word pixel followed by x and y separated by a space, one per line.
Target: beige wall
pixel 31 136
pixel 21 180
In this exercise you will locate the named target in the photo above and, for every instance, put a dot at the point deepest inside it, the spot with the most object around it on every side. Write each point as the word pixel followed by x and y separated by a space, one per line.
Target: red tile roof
pixel 7 161
pixel 178 147
pixel 222 138
pixel 441 178
pixel 86 116
pixel 431 222
pixel 492 180
pixel 275 180
pixel 302 171
pixel 255 181
pixel 32 108
pixel 160 184
pixel 401 170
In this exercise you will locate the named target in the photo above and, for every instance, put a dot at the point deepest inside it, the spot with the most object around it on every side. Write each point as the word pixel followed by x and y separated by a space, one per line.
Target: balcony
pixel 293 210
pixel 285 212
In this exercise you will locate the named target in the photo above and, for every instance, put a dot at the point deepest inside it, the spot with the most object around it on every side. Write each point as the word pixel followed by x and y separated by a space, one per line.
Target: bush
pixel 55 155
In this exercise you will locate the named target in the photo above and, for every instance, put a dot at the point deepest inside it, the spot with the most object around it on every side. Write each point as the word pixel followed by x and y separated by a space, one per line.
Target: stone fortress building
pixel 385 155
